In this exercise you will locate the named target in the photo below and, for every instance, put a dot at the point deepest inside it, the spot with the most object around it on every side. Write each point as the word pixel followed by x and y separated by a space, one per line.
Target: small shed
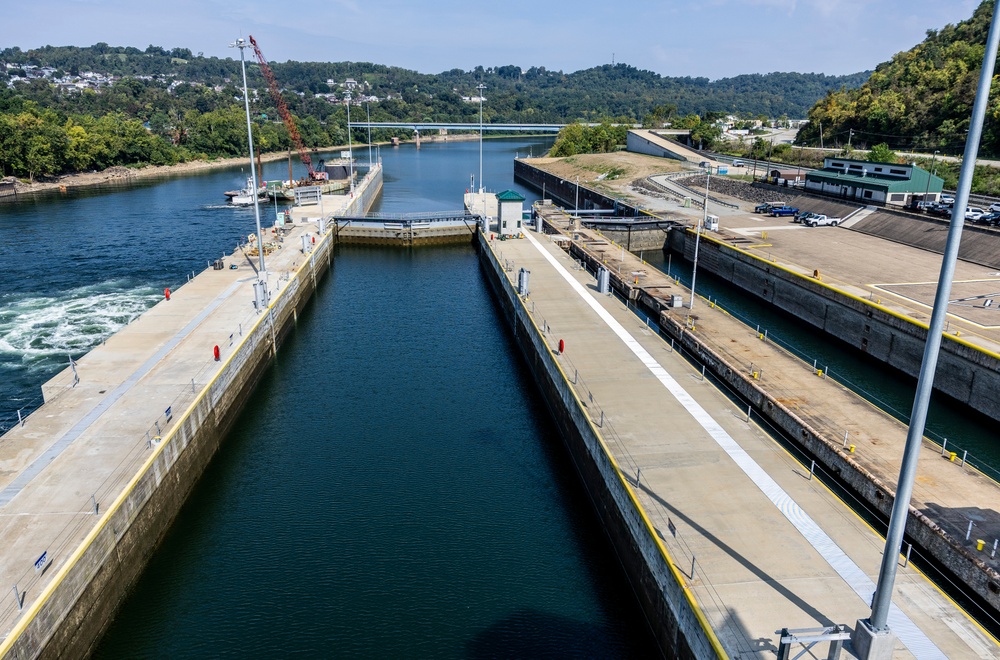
pixel 511 211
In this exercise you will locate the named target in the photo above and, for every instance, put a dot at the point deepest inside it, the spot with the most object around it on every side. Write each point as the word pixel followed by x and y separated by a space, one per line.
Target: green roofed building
pixel 865 182
pixel 510 204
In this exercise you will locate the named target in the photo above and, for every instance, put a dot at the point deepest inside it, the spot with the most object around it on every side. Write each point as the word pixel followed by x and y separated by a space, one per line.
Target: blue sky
pixel 711 38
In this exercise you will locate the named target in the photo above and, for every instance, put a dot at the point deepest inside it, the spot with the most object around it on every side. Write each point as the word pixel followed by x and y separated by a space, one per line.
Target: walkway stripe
pixel 53 452
pixel 905 630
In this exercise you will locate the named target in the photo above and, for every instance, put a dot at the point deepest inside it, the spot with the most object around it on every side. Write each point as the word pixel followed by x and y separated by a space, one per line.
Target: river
pixel 394 487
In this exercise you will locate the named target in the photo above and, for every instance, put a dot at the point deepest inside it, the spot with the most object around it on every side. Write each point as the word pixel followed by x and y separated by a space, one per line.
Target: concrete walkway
pixel 763 546
pixel 73 456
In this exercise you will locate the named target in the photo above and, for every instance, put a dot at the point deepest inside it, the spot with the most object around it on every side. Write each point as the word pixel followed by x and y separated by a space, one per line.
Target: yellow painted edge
pixel 33 609
pixel 695 607
pixel 851 296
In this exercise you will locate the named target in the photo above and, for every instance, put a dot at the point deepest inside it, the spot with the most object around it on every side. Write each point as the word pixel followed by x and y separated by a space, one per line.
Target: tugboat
pixel 245 196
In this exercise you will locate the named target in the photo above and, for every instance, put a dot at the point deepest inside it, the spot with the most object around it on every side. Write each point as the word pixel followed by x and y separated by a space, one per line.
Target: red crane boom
pixel 286 115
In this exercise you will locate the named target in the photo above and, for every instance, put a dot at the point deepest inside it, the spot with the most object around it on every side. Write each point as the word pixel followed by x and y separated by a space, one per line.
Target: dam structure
pixel 732 543
pixel 91 480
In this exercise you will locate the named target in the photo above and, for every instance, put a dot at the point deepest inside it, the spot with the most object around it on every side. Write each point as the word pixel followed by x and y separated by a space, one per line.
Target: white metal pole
pixel 241 44
pixel 350 145
pixel 368 110
pixel 576 202
pixel 882 600
pixel 481 87
pixel 697 239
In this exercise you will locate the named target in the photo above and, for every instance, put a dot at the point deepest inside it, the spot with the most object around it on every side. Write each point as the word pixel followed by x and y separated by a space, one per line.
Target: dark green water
pixel 394 488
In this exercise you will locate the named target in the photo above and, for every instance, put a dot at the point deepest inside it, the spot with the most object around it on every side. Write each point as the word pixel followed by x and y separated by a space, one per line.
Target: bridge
pixel 436 126
pixel 406 229
pixel 409 219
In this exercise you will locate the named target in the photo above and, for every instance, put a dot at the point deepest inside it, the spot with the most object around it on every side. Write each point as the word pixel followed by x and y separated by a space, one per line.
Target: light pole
pixel 928 186
pixel 368 111
pixel 481 87
pixel 241 44
pixel 576 203
pixel 350 144
pixel 697 238
pixel 877 626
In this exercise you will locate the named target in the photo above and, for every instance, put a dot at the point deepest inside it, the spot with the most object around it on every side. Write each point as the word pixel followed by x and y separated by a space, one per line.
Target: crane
pixel 286 115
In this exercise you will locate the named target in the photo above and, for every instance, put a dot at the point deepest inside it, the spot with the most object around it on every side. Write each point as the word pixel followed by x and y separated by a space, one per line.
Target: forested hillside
pixel 921 99
pixel 163 106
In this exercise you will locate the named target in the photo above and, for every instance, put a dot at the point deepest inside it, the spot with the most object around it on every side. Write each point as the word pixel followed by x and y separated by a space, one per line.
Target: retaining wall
pixel 566 191
pixel 948 553
pixel 679 627
pixel 968 374
pixel 69 617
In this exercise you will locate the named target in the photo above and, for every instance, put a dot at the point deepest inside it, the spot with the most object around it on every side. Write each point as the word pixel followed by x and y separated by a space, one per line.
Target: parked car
pixel 995 207
pixel 974 213
pixel 946 199
pixel 802 216
pixel 738 163
pixel 820 220
pixel 765 208
pixel 783 211
pixel 941 210
pixel 992 219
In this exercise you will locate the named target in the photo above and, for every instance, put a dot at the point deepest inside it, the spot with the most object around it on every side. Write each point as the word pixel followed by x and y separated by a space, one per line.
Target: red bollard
pixel 216 351
pixel 166 292
pixel 562 346
pixel 314 239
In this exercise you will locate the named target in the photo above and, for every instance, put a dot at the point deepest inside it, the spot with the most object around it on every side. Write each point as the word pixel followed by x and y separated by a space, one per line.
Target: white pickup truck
pixel 823 221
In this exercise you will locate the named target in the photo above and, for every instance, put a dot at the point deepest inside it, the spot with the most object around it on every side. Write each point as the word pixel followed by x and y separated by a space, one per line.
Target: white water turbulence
pixel 42 331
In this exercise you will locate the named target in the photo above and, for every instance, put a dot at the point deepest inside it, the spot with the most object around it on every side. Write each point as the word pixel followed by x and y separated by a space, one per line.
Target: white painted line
pixel 908 633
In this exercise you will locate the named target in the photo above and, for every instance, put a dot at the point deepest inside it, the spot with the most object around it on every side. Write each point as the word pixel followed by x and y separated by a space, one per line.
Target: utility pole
pixel 481 87
pixel 697 238
pixel 850 135
pixel 929 175
pixel 821 135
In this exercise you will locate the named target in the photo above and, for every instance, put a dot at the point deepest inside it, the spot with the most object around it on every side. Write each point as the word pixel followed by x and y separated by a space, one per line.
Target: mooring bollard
pixel 812 469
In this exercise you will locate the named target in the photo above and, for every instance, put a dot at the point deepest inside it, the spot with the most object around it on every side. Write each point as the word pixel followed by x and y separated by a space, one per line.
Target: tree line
pixel 921 100
pixel 143 118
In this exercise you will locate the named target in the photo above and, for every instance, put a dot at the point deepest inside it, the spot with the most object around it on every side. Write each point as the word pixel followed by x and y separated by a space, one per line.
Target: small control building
pixel 511 211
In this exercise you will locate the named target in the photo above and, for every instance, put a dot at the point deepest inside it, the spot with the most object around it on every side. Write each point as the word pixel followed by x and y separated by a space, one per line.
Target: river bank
pixel 119 174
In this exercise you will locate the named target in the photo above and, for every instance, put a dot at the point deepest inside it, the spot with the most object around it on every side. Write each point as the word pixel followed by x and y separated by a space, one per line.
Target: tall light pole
pixel 697 238
pixel 576 203
pixel 481 87
pixel 928 186
pixel 241 44
pixel 368 111
pixel 874 632
pixel 350 144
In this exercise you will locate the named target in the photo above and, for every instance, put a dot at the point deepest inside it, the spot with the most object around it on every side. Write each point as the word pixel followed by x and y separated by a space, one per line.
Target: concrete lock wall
pixel 565 191
pixel 74 610
pixel 966 373
pixel 930 539
pixel 680 628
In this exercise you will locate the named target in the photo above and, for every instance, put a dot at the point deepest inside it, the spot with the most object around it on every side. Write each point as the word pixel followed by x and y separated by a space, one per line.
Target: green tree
pixel 881 153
